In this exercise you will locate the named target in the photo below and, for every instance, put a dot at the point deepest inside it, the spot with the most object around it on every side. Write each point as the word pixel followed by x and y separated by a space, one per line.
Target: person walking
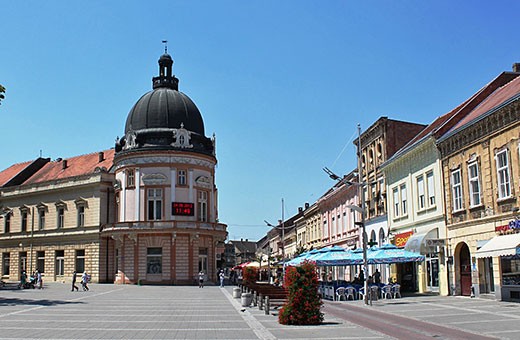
pixel 222 277
pixel 201 279
pixel 377 277
pixel 74 274
pixel 39 282
pixel 84 281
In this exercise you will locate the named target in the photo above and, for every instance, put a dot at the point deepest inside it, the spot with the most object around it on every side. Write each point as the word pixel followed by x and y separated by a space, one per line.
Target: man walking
pixel 221 276
pixel 201 279
pixel 84 281
pixel 74 274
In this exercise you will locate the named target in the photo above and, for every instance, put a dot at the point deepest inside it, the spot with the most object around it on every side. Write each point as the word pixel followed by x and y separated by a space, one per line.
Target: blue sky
pixel 283 84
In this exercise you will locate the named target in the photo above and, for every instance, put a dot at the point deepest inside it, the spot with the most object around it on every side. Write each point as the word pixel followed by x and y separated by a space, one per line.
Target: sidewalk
pixel 188 312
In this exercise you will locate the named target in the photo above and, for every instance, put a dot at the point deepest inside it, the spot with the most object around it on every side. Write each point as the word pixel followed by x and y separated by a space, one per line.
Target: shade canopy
pixel 342 257
pixel 389 253
pixel 418 243
pixel 503 245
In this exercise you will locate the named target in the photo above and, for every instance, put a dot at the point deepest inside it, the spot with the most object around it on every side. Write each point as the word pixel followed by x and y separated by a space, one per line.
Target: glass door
pixel 432 273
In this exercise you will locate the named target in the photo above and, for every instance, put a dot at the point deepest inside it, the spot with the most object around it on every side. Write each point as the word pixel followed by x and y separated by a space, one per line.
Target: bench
pixel 267 296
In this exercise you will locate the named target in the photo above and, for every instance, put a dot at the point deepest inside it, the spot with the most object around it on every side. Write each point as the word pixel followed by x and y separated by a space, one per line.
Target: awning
pixel 503 245
pixel 418 243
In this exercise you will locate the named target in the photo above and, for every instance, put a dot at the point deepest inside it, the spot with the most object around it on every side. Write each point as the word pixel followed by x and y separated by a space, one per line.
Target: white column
pixel 212 205
pixel 123 197
pixel 173 176
pixel 137 180
pixel 190 183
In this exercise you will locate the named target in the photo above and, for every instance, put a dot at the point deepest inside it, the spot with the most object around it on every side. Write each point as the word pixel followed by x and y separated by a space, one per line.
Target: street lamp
pixel 281 223
pixel 360 209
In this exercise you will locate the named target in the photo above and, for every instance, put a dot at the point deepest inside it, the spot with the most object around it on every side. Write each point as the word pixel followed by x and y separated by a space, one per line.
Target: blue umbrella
pixel 389 253
pixel 341 257
pixel 302 257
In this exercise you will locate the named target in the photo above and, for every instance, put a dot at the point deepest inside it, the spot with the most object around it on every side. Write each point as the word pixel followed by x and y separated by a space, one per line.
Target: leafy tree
pixel 2 91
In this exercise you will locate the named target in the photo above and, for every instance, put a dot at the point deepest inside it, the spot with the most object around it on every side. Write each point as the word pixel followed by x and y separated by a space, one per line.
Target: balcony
pixel 162 225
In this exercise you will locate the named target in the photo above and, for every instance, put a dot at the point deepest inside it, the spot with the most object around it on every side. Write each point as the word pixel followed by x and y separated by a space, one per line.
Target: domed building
pixel 143 212
pixel 167 226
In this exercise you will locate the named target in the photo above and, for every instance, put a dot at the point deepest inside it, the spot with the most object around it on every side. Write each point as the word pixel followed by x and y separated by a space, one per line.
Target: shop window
pixel 40 261
pixel 59 256
pixel 154 261
pixel 80 260
pixel 6 263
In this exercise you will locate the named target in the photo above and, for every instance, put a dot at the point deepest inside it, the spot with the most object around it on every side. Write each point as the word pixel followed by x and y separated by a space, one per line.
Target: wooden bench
pixel 267 296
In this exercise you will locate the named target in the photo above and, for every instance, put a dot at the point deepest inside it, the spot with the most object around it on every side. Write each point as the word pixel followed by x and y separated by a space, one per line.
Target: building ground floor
pixel 485 260
pixel 129 256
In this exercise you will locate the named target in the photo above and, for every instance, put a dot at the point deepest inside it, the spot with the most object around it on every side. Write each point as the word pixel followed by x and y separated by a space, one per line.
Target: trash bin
pixel 247 298
pixel 236 292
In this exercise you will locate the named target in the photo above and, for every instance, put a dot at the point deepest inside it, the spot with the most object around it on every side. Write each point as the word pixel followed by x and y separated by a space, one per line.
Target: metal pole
pixel 283 245
pixel 363 212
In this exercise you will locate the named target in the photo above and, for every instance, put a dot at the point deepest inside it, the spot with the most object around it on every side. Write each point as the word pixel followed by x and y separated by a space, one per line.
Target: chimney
pixel 516 67
pixel 306 205
pixel 101 157
pixel 64 164
pixel 300 209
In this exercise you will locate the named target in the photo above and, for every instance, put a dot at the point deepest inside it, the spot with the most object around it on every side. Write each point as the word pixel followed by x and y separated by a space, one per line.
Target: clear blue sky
pixel 283 84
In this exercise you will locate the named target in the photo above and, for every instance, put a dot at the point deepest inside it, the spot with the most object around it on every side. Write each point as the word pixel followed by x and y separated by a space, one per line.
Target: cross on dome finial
pixel 165 42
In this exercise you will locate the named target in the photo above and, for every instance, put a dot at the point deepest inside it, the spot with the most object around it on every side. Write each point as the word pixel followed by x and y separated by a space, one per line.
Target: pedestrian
pixel 201 279
pixel 221 276
pixel 74 274
pixel 84 280
pixel 39 282
pixel 23 280
pixel 377 277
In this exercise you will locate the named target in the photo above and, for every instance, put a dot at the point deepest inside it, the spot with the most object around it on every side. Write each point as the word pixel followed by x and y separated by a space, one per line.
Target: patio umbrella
pixel 389 253
pixel 302 257
pixel 338 257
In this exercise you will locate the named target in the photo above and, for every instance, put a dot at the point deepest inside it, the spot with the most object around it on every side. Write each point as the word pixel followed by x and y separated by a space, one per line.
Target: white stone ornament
pixel 182 138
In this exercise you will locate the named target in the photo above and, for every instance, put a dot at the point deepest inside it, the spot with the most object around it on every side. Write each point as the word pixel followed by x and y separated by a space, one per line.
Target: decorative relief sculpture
pixel 153 179
pixel 182 138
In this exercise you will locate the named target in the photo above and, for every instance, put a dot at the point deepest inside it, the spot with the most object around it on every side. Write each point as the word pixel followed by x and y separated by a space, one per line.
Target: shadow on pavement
pixel 16 302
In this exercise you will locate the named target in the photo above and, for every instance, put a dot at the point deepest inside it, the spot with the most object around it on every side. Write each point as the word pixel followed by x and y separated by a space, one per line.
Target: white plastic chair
pixel 350 292
pixel 386 292
pixel 374 292
pixel 396 290
pixel 340 292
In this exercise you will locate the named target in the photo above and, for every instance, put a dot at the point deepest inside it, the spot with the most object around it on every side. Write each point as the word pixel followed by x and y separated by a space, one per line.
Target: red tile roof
pixel 12 171
pixel 76 166
pixel 497 98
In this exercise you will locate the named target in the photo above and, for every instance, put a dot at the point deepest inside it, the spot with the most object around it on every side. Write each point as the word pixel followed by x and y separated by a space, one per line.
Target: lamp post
pixel 360 209
pixel 282 227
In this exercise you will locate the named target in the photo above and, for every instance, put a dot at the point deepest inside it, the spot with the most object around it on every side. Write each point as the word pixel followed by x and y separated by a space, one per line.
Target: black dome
pixel 164 108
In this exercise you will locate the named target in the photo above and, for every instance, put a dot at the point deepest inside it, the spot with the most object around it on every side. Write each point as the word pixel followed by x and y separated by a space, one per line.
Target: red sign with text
pixel 183 209
pixel 401 239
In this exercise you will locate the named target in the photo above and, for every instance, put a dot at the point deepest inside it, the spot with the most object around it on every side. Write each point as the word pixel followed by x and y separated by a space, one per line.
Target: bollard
pixel 266 308
pixel 246 299
pixel 236 292
pixel 255 299
pixel 260 302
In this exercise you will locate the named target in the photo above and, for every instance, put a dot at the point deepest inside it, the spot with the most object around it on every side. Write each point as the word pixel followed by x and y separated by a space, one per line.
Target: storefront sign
pixel 401 239
pixel 435 242
pixel 511 227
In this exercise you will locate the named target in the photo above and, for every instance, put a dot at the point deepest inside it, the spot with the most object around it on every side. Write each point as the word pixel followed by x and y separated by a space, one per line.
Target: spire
pixel 165 78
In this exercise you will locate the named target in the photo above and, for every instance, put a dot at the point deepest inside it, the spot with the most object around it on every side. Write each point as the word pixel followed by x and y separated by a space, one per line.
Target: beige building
pixel 481 166
pixel 144 212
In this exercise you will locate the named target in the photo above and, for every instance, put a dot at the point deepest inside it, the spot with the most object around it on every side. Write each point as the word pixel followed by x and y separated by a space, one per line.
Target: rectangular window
pixel 203 260
pixel 81 216
pixel 181 177
pixel 41 219
pixel 22 256
pixel 130 178
pixel 7 223
pixel 333 226
pixel 344 222
pixel 431 188
pixel 6 263
pixel 404 207
pixel 59 256
pixel 456 189
pixel 24 221
pixel 474 185
pixel 154 261
pixel 421 199
pixel 154 204
pixel 395 196
pixel 203 206
pixel 80 260
pixel 61 217
pixel 504 182
pixel 40 261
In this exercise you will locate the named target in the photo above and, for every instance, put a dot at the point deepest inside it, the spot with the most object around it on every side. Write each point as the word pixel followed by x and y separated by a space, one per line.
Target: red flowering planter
pixel 303 301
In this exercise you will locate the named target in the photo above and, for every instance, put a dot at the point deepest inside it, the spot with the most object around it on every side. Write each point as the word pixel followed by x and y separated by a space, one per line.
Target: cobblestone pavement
pixel 189 312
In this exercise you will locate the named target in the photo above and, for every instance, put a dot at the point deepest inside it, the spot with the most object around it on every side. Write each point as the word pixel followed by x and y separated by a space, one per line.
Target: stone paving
pixel 189 312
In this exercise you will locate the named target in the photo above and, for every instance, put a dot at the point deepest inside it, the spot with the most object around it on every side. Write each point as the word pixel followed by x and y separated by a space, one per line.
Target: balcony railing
pixel 158 225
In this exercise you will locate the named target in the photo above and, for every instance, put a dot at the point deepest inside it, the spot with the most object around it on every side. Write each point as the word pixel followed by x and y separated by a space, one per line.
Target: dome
pixel 165 119
pixel 164 108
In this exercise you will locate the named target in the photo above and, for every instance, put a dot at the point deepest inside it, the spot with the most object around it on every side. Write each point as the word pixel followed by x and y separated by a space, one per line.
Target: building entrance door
pixel 465 271
pixel 432 273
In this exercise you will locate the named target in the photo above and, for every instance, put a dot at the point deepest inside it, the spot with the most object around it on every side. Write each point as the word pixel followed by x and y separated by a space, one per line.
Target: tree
pixel 2 91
